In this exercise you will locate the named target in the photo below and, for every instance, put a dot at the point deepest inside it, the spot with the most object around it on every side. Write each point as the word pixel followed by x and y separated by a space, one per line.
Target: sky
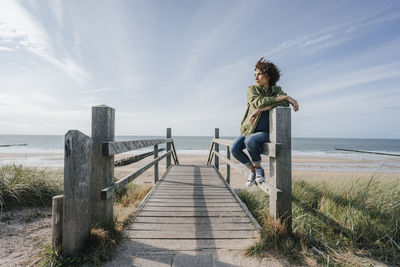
pixel 187 64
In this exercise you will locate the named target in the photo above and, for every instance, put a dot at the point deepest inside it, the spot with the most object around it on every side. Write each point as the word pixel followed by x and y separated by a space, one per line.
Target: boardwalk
pixel 188 217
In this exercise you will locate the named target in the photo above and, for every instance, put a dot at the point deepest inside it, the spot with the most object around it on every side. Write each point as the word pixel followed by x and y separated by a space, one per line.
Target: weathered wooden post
pixel 280 204
pixel 216 147
pixel 103 129
pixel 156 164
pixel 228 167
pixel 77 181
pixel 57 218
pixel 168 148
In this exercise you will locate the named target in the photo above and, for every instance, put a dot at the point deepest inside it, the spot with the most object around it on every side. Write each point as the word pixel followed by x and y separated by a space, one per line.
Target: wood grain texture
pixel 77 199
pixel 103 129
pixel 281 166
pixel 57 212
pixel 192 204
pixel 113 148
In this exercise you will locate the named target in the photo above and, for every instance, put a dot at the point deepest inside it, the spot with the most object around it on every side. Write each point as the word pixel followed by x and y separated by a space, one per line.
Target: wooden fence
pixel 88 178
pixel 279 184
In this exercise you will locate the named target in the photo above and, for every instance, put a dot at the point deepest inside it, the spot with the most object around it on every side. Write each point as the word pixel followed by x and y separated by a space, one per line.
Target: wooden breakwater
pixel 368 152
pixel 13 145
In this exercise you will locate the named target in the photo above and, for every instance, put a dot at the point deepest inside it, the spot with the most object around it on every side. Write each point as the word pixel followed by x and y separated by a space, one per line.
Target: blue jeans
pixel 253 144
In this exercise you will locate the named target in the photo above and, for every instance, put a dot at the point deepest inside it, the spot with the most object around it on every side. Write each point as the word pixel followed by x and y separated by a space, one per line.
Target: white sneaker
pixel 251 180
pixel 260 176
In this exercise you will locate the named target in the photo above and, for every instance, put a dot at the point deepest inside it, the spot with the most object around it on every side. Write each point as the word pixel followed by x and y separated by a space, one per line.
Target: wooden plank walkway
pixel 190 211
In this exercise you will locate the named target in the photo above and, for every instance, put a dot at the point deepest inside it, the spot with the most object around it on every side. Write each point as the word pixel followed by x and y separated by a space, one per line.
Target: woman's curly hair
pixel 269 68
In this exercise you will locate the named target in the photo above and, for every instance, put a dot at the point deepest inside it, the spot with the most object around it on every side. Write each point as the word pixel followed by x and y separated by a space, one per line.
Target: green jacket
pixel 257 98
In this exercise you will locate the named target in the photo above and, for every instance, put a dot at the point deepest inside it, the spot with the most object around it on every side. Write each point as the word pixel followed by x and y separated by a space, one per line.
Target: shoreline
pixel 366 164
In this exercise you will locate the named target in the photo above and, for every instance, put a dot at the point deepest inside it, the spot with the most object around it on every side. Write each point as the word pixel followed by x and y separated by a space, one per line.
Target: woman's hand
pixel 293 102
pixel 254 116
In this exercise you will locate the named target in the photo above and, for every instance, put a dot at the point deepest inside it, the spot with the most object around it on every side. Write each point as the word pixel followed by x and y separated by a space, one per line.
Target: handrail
pixel 269 149
pixel 210 155
pixel 174 155
pixel 113 148
pixel 267 187
pixel 117 186
pixel 133 159
pixel 279 183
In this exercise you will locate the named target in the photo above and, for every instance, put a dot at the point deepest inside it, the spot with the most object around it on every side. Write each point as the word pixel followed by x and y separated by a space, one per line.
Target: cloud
pixel 98 90
pixel 20 30
pixel 212 39
pixel 3 48
pixel 376 21
pixel 354 78
pixel 318 40
pixel 332 36
pixel 57 8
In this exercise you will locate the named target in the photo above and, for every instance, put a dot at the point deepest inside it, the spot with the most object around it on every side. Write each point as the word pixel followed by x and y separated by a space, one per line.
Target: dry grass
pixel 26 186
pixel 102 242
pixel 353 223
pixel 127 201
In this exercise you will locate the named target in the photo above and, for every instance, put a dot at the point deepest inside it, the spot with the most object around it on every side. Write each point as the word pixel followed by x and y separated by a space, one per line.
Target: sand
pixel 326 168
pixel 238 180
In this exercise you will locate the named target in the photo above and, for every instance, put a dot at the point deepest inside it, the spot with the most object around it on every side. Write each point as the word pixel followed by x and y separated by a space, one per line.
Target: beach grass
pixel 338 223
pixel 28 186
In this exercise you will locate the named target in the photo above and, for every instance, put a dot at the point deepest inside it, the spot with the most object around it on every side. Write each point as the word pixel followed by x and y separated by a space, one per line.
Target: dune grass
pixel 27 186
pixel 353 223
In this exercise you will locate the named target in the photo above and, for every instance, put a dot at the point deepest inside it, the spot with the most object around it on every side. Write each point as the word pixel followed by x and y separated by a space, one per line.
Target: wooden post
pixel 57 218
pixel 216 147
pixel 228 167
pixel 77 202
pixel 156 164
pixel 280 204
pixel 103 129
pixel 168 148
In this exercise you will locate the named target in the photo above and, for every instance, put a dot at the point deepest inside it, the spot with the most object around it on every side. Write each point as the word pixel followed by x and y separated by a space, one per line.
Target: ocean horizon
pixel 46 143
pixel 48 151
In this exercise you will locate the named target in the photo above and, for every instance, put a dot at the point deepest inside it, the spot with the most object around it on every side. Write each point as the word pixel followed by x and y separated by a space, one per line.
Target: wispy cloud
pixel 4 48
pixel 350 79
pixel 317 40
pixel 98 90
pixel 20 30
pixel 212 38
pixel 57 8
pixel 373 22
pixel 332 36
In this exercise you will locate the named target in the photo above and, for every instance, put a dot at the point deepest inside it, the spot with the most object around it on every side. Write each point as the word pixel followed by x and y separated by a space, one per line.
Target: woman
pixel 254 129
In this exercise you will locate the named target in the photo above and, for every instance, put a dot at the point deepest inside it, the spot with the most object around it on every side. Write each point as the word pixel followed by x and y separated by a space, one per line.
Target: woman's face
pixel 260 78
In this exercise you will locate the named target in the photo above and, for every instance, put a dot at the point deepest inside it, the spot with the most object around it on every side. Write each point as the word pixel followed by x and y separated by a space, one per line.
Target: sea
pixel 48 151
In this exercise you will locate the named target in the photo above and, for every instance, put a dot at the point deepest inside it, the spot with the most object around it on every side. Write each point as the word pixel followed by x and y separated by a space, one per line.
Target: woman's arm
pixel 257 100
pixel 289 99
pixel 256 112
pixel 277 99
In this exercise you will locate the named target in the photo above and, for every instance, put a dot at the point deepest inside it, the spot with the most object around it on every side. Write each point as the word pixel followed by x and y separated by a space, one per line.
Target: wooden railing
pixel 88 178
pixel 278 184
